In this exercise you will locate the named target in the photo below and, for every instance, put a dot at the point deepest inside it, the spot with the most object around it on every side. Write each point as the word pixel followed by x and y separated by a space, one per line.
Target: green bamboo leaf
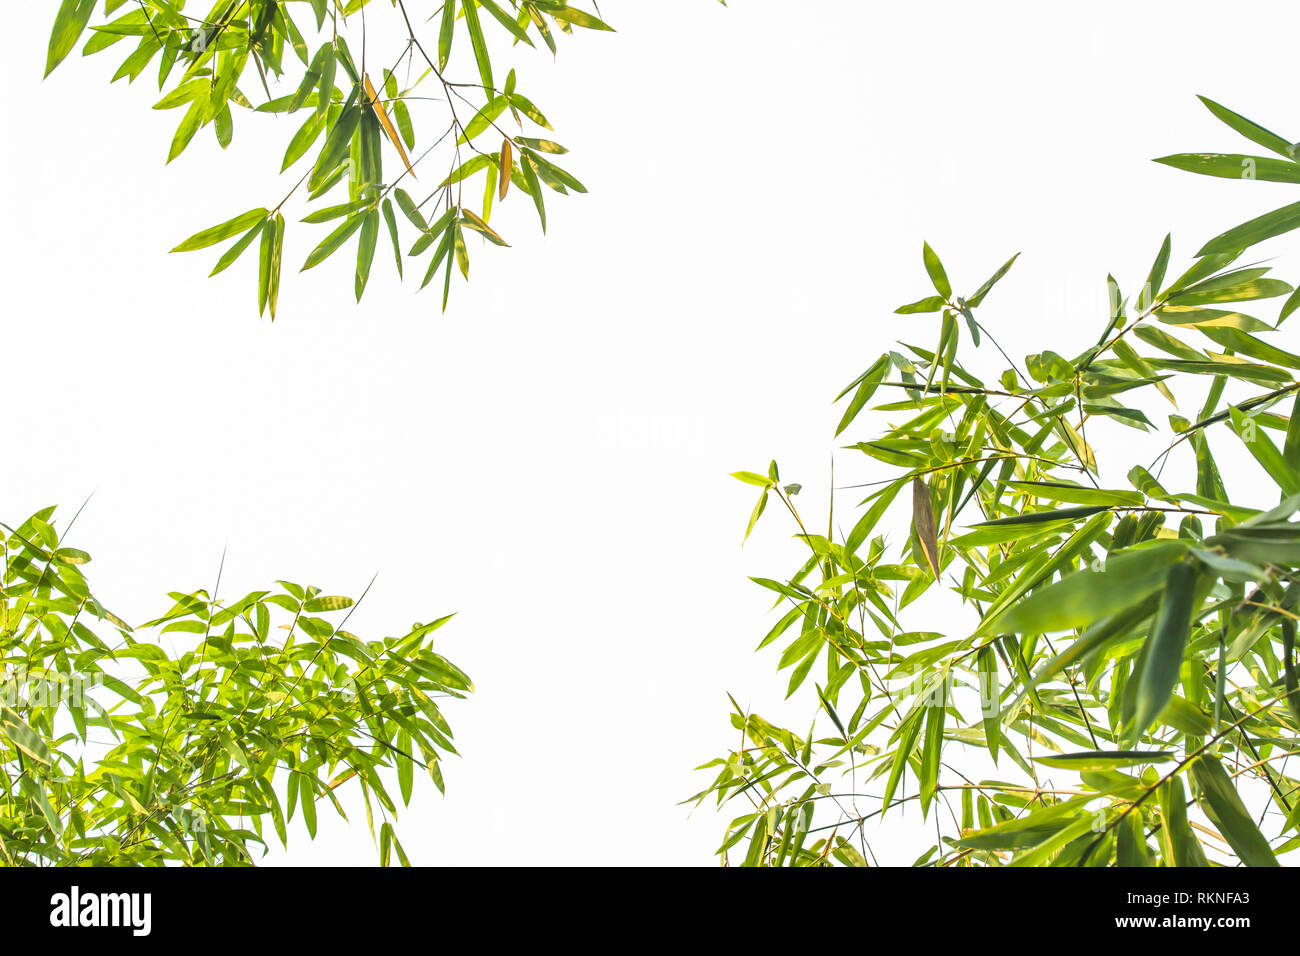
pixel 183 94
pixel 525 106
pixel 443 251
pixel 119 687
pixel 338 144
pixel 566 13
pixel 847 853
pixel 987 664
pixel 307 787
pixel 366 251
pixel 468 168
pixel 756 514
pixel 331 243
pixel 480 45
pixel 267 266
pixel 215 234
pixel 1043 852
pixel 69 23
pixel 929 304
pixel 974 300
pixel 1038 517
pixel 390 220
pixel 909 731
pixel 402 117
pixel 931 752
pixel 1131 843
pixel 1247 289
pixel 1219 798
pixel 1248 345
pixel 1193 317
pixel 1291 451
pixel 462 252
pixel 871 517
pixel 1235 166
pixel 405 767
pixel 1292 303
pixel 1085 596
pixel 223 126
pixel 412 212
pixel 1168 639
pixel 1203 268
pixel 1263 450
pixel 302 139
pixel 1078 494
pixel 534 189
pixel 1228 366
pixel 1250 129
pixel 329 213
pixel 934 268
pixel 195 116
pixel 318 605
pixel 484 118
pixel 273 280
pixel 507 21
pixel 1181 847
pixel 328 69
pixel 555 177
pixel 1105 759
pixel 36 792
pixel 1289 679
pixel 867 384
pixel 1167 343
pixel 447 33
pixel 541 145
pixel 1256 230
pixel 22 736
pixel 1028 831
pixel 1156 277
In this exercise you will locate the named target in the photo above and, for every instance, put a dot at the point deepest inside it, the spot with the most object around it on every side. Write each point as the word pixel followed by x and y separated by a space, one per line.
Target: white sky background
pixel 551 457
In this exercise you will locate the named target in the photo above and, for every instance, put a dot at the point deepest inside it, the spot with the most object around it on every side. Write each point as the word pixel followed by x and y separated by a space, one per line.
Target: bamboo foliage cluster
pixel 197 738
pixel 1126 692
pixel 443 83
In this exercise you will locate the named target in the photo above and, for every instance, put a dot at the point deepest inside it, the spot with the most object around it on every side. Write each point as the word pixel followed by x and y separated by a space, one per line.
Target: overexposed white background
pixel 550 458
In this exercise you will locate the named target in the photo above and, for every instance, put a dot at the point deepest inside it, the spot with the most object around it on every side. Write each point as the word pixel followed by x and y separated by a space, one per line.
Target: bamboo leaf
pixel 1275 223
pixel 480 45
pixel 1085 596
pixel 506 162
pixel 1219 798
pixel 215 234
pixel 1168 640
pixel 1105 759
pixel 447 33
pixel 923 524
pixel 69 23
pixel 1250 129
pixel 936 272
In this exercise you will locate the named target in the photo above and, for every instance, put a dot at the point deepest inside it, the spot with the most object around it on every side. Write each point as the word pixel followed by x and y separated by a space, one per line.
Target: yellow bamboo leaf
pixel 507 166
pixel 389 130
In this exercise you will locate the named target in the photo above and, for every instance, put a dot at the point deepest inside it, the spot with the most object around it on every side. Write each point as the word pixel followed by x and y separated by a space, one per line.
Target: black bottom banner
pixel 134 907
